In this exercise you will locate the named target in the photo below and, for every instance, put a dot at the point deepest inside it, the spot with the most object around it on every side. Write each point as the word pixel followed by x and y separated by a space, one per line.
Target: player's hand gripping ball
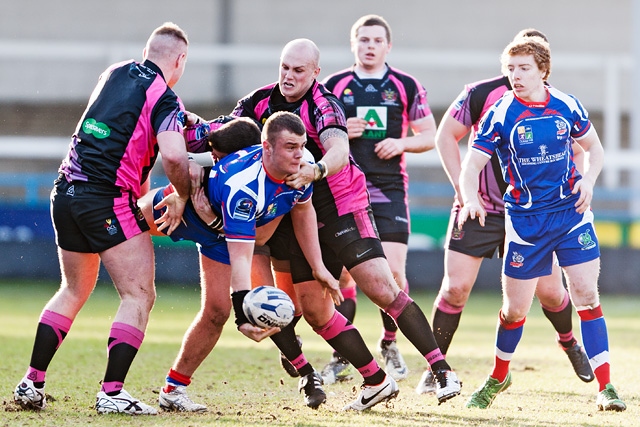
pixel 268 307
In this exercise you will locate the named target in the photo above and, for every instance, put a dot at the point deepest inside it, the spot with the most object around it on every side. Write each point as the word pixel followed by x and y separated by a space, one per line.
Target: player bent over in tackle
pixel 250 185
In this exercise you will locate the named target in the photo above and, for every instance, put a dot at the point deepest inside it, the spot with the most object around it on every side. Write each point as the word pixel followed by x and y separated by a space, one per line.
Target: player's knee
pixel 585 297
pixel 215 312
pixel 144 297
pixel 316 314
pixel 316 319
pixel 455 294
pixel 218 319
pixel 513 314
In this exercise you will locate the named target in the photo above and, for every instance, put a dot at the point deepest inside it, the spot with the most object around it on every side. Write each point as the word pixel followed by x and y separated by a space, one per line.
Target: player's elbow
pixel 174 158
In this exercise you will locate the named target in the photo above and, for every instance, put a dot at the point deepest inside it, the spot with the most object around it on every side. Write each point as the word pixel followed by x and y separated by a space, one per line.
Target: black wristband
pixel 216 224
pixel 237 298
pixel 322 170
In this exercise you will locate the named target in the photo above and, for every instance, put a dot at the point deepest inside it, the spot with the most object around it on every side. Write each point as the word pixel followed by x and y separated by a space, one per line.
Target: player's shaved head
pixel 166 41
pixel 303 48
pixel 167 48
pixel 299 68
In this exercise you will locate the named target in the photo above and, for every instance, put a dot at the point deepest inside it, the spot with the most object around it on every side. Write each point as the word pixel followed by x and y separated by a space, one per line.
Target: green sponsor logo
pixel 373 119
pixel 374 134
pixel 97 129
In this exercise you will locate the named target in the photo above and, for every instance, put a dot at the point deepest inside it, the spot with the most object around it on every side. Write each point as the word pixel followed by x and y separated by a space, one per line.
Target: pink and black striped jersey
pixel 388 104
pixel 115 143
pixel 339 194
pixel 468 108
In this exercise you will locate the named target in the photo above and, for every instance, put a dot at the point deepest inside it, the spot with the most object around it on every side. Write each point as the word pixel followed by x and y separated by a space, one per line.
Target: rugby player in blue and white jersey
pixel 547 208
pixel 465 248
pixel 242 200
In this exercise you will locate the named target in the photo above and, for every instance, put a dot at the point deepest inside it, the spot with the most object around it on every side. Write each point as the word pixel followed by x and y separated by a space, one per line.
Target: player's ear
pixel 182 57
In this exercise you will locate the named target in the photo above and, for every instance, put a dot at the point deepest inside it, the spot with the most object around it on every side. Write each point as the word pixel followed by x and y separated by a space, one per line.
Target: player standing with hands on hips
pixel 132 113
pixel 547 208
pixel 381 104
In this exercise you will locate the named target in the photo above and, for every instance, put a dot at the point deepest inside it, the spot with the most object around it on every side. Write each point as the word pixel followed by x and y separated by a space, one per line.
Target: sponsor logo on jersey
pixel 544 157
pixel 586 241
pixel 389 97
pixel 525 134
pixel 110 226
pixel 562 130
pixel 243 210
pixel 271 210
pixel 517 260
pixel 347 96
pixel 376 118
pixel 97 129
pixel 370 88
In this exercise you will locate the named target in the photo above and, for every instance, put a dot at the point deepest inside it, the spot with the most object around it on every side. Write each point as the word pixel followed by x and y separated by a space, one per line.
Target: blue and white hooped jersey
pixel 248 196
pixel 533 142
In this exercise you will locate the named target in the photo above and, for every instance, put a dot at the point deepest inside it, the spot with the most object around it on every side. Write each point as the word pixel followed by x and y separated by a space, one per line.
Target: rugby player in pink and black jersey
pixel 132 115
pixel 381 104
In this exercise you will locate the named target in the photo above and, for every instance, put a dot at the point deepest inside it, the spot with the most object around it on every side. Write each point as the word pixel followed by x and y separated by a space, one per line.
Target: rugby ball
pixel 268 307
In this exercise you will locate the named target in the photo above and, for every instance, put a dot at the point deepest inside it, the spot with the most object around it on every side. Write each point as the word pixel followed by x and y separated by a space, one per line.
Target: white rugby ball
pixel 268 307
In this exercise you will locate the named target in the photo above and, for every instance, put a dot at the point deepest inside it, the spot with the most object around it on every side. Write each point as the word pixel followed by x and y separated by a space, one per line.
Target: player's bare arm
pixel 449 133
pixel 305 227
pixel 593 161
pixel 335 158
pixel 175 164
pixel 472 207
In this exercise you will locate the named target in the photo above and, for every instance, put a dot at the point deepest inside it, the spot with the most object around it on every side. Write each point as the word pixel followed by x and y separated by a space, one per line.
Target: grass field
pixel 243 385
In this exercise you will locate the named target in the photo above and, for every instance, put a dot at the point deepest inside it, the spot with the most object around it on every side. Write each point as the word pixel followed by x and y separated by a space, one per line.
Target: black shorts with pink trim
pixel 90 218
pixel 348 241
